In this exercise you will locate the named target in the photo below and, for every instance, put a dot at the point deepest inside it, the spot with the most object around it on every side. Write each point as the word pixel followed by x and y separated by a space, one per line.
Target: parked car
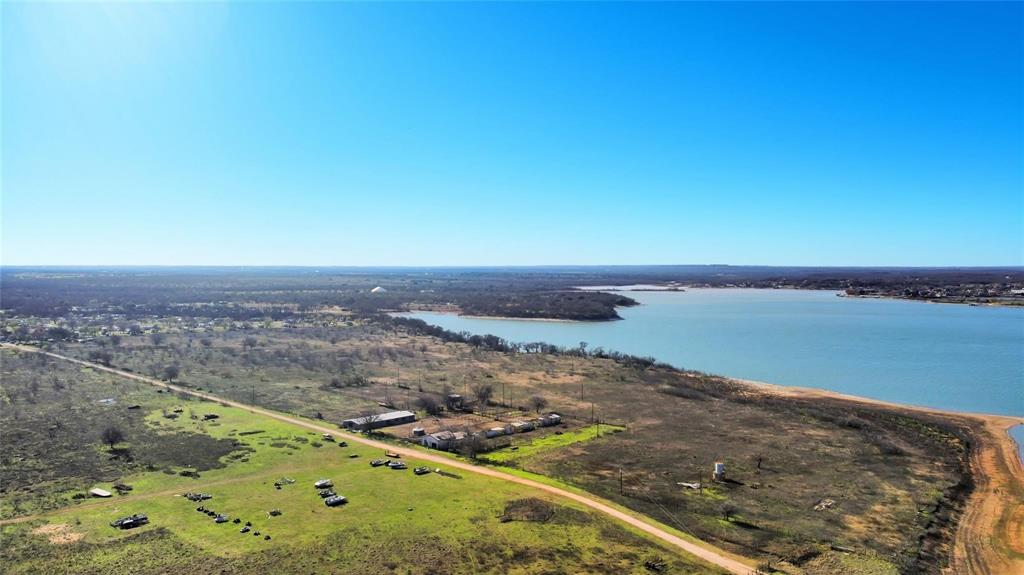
pixel 378 462
pixel 325 493
pixel 323 484
pixel 221 518
pixel 335 500
pixel 421 470
pixel 397 465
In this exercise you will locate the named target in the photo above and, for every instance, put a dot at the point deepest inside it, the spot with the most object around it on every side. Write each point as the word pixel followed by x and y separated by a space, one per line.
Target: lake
pixel 954 357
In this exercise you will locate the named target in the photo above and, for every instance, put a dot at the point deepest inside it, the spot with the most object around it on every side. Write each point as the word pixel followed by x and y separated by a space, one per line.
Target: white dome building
pixel 378 289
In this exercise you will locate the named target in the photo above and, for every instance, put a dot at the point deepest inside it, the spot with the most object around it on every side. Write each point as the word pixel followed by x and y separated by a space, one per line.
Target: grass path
pixel 704 551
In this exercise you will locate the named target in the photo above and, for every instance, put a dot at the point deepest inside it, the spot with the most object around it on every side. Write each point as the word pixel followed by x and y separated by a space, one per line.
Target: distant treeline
pixel 490 342
pixel 247 294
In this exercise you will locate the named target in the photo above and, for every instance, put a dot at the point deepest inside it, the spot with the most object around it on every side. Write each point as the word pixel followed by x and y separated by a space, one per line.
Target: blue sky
pixel 474 134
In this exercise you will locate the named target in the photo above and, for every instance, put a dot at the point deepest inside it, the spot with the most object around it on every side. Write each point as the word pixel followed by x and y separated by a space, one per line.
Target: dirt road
pixel 713 556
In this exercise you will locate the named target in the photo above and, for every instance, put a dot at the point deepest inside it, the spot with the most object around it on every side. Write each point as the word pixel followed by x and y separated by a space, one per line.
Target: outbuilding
pixel 443 440
pixel 494 432
pixel 369 422
pixel 522 426
pixel 550 419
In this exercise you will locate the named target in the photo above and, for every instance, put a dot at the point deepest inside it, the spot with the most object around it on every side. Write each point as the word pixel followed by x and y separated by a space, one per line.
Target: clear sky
pixel 472 134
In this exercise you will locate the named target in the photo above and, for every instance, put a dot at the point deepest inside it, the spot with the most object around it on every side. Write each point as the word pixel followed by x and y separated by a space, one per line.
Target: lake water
pixel 945 356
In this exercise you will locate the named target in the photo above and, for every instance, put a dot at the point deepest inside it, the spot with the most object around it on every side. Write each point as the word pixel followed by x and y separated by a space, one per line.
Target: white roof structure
pixel 378 289
pixel 380 419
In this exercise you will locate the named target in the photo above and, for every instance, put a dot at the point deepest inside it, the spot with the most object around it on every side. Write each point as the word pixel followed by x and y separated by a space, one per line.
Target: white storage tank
pixel 719 473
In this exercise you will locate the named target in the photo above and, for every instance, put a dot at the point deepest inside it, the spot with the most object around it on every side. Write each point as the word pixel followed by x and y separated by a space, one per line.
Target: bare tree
pixel 101 356
pixel 728 511
pixel 471 445
pixel 171 372
pixel 538 402
pixel 112 436
pixel 429 403
pixel 483 392
pixel 370 420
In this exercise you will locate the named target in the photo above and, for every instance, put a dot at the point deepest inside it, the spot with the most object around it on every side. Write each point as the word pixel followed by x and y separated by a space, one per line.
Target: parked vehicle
pixel 335 500
pixel 397 465
pixel 323 484
pixel 325 493
pixel 221 519
pixel 378 462
pixel 130 522
pixel 421 470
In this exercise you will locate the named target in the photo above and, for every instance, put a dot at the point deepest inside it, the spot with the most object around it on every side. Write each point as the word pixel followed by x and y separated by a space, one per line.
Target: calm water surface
pixel 945 356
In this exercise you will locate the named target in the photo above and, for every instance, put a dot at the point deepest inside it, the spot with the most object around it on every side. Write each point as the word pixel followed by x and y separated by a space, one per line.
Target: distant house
pixel 378 289
pixel 443 440
pixel 388 419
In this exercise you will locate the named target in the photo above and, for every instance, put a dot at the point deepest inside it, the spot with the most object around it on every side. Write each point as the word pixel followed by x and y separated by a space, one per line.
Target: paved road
pixel 707 553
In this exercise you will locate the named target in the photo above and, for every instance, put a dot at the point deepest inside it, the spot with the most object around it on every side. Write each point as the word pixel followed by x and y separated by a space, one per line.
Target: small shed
pixel 522 426
pixel 443 440
pixel 550 419
pixel 494 432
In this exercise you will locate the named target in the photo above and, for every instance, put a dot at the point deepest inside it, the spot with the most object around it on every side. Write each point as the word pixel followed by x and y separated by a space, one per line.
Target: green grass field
pixel 395 521
pixel 550 442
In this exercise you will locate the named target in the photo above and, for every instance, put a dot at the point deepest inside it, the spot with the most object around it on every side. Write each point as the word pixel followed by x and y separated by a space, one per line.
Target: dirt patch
pixel 529 509
pixel 58 533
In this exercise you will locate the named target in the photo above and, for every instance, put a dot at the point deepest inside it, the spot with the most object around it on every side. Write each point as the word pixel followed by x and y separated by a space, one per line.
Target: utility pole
pixel 253 394
pixel 620 482
pixel 591 412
